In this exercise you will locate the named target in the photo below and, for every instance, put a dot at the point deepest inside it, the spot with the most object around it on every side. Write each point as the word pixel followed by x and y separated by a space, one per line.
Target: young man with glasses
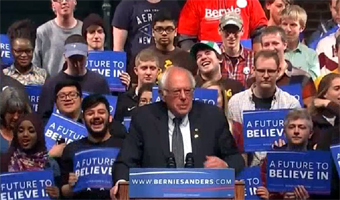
pixel 262 95
pixel 164 32
pixel 48 52
pixel 237 60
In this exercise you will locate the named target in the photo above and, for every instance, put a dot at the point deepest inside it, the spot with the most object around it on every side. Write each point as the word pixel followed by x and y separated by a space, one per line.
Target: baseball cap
pixel 205 45
pixel 75 49
pixel 231 18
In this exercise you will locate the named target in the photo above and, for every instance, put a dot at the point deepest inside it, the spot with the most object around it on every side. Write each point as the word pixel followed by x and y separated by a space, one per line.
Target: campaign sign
pixel 335 149
pixel 252 180
pixel 33 92
pixel 110 64
pixel 247 44
pixel 261 128
pixel 94 168
pixel 208 96
pixel 62 127
pixel 181 183
pixel 312 169
pixel 294 90
pixel 126 122
pixel 6 55
pixel 26 185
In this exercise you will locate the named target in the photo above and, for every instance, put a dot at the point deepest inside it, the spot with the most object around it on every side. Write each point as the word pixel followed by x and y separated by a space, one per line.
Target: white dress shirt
pixel 185 130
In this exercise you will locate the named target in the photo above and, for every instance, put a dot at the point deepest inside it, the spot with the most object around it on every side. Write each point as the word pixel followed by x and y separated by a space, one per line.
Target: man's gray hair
pixel 299 113
pixel 164 77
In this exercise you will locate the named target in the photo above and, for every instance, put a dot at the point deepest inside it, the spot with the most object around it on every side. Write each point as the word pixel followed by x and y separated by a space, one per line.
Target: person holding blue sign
pixel 209 58
pixel 274 38
pixel 76 55
pixel 146 68
pixel 28 151
pixel 178 125
pixel 96 115
pixel 263 95
pixel 22 39
pixel 12 107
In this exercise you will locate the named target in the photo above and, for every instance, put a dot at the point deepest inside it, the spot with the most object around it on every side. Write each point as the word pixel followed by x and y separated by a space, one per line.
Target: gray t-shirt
pixel 49 46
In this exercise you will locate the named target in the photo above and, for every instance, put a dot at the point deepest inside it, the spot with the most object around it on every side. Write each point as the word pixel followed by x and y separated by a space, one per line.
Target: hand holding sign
pixel 262 192
pixel 300 192
pixel 52 191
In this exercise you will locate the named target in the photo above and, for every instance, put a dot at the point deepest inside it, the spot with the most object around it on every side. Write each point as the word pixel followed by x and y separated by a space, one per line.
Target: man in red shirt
pixel 199 19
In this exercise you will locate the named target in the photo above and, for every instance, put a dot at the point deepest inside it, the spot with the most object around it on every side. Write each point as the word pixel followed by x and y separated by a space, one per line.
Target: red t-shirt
pixel 201 17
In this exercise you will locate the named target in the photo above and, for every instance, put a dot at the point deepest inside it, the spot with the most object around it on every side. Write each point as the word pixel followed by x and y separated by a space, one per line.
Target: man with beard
pixel 96 114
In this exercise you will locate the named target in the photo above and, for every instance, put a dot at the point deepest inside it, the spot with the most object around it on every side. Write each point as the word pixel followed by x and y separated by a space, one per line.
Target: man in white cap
pixel 74 69
pixel 237 60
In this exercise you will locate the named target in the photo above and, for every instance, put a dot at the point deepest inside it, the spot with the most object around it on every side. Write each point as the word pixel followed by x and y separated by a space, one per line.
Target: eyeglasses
pixel 71 95
pixel 269 71
pixel 227 32
pixel 177 92
pixel 22 51
pixel 168 29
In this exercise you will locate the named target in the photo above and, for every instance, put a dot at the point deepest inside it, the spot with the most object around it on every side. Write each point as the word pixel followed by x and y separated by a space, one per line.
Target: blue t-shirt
pixel 4 145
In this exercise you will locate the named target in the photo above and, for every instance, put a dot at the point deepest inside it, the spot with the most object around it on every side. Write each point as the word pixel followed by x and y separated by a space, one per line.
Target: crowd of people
pixel 178 50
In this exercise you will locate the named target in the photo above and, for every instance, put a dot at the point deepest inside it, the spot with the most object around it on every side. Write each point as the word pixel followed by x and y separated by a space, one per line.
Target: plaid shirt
pixel 35 76
pixel 242 70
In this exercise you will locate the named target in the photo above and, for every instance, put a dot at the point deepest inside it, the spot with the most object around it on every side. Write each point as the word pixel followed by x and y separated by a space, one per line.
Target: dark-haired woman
pixel 28 151
pixel 22 38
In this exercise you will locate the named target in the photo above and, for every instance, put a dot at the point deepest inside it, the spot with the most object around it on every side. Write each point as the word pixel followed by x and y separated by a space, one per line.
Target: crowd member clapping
pixel 22 40
pixel 76 54
pixel 13 104
pixel 326 106
pixel 28 151
pixel 48 52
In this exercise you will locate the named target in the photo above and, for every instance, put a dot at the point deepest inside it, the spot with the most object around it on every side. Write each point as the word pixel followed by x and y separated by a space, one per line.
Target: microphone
pixel 189 161
pixel 171 162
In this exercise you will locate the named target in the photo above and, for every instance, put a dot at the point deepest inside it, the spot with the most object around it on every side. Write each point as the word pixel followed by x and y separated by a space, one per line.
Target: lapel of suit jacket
pixel 163 129
pixel 194 116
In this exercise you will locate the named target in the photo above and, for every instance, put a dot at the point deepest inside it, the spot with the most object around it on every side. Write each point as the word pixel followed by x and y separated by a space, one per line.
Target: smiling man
pixel 96 114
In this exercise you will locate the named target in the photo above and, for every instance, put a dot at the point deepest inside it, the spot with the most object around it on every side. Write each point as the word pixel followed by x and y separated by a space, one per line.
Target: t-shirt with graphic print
pixel 136 17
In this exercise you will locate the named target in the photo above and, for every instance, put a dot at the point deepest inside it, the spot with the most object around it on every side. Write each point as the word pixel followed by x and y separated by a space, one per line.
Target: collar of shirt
pixel 14 70
pixel 184 121
pixel 242 52
pixel 250 92
pixel 297 49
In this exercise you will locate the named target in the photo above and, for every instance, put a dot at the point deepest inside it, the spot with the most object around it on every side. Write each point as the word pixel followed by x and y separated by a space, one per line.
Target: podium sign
pixel 181 183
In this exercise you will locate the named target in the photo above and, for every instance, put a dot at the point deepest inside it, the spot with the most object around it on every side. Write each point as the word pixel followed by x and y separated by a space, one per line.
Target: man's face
pixel 266 73
pixel 207 61
pixel 298 132
pixel 231 36
pixel 95 37
pixel 63 7
pixel 68 101
pixel 146 72
pixel 22 51
pixel 178 93
pixel 292 28
pixel 164 33
pixel 274 42
pixel 275 10
pixel 97 120
pixel 335 11
pixel 77 63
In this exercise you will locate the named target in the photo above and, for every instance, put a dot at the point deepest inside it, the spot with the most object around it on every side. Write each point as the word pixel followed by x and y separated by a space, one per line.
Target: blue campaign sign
pixel 312 169
pixel 94 168
pixel 26 185
pixel 62 127
pixel 126 122
pixel 33 92
pixel 208 96
pixel 294 90
pixel 181 183
pixel 247 44
pixel 261 128
pixel 6 55
pixel 110 64
pixel 335 149
pixel 252 180
pixel 113 102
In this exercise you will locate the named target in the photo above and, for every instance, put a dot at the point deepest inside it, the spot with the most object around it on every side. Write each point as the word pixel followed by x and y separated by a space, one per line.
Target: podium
pixel 123 192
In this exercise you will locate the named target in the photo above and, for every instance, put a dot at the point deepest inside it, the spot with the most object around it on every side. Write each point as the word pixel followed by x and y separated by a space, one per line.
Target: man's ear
pixel 175 32
pixel 302 28
pixel 161 94
pixel 311 134
pixel 135 70
pixel 110 118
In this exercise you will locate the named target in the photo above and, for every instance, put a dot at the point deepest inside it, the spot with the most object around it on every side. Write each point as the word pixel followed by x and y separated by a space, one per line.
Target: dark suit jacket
pixel 147 144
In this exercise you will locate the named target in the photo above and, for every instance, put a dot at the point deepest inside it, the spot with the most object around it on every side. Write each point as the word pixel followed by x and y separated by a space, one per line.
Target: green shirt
pixel 304 58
